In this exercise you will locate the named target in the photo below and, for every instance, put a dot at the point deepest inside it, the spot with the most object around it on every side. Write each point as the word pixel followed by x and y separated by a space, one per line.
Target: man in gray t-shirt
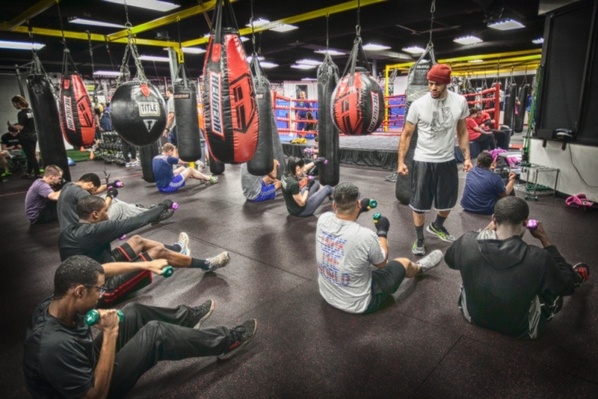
pixel 258 188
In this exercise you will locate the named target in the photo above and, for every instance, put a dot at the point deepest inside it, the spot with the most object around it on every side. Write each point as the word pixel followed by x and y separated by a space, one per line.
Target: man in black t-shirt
pixel 10 147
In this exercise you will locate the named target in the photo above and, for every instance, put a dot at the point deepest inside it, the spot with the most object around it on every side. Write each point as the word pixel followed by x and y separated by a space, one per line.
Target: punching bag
pixel 328 136
pixel 230 108
pixel 511 96
pixel 187 122
pixel 277 148
pixel 262 162
pixel 138 113
pixel 42 99
pixel 146 156
pixel 77 121
pixel 357 101
pixel 520 116
pixel 403 184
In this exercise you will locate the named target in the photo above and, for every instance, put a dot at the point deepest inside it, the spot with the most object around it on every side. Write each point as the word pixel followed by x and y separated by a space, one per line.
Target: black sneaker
pixel 242 335
pixel 440 232
pixel 202 312
pixel 166 214
pixel 583 273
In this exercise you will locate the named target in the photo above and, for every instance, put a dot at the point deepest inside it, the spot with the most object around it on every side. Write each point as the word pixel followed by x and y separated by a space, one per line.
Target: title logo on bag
pixel 216 103
pixel 148 109
pixel 68 113
pixel 149 123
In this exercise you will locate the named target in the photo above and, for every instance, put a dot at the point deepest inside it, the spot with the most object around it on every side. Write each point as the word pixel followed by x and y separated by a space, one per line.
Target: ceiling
pixel 395 23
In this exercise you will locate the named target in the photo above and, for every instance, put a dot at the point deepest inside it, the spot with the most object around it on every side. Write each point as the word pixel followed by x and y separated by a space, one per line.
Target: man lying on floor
pixel 94 232
pixel 61 358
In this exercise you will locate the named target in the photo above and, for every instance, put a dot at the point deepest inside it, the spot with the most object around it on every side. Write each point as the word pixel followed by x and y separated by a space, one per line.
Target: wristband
pixel 381 233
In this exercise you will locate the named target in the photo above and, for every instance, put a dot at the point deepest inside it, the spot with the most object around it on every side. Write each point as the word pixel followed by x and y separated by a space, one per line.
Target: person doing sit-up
pixel 169 180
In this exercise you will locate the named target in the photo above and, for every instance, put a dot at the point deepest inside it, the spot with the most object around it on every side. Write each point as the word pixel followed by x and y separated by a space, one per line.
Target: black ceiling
pixel 396 23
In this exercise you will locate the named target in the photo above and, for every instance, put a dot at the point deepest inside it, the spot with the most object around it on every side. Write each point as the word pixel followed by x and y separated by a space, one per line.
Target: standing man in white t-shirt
pixel 439 116
pixel 170 129
pixel 345 250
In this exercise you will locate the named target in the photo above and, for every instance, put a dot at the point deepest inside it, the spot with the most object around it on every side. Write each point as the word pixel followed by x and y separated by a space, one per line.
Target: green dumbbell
pixel 377 216
pixel 93 316
pixel 372 204
pixel 167 271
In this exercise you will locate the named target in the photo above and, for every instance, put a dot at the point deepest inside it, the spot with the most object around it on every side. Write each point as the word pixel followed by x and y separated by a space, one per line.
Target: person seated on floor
pixel 40 201
pixel 302 195
pixel 169 180
pixel 345 250
pixel 89 184
pixel 483 187
pixel 95 231
pixel 11 147
pixel 484 138
pixel 258 188
pixel 508 285
pixel 63 359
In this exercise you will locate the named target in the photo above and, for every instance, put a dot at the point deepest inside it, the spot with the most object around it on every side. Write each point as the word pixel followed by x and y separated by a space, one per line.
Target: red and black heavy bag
pixel 187 122
pixel 138 112
pixel 77 121
pixel 262 162
pixel 230 109
pixel 357 100
pixel 42 99
pixel 328 136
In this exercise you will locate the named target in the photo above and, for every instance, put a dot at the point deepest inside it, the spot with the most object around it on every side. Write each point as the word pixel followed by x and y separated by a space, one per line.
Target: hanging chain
pixel 61 26
pixel 327 35
pixel 130 51
pixel 358 26
pixel 109 53
pixel 252 29
pixel 432 11
pixel 90 52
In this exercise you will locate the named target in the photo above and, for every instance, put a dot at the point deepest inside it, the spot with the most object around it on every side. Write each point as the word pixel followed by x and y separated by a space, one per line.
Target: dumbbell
pixel 532 224
pixel 93 316
pixel 116 183
pixel 377 216
pixel 373 204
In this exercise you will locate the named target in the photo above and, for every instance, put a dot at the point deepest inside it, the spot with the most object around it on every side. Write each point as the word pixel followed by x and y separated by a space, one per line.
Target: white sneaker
pixel 218 261
pixel 183 242
pixel 430 261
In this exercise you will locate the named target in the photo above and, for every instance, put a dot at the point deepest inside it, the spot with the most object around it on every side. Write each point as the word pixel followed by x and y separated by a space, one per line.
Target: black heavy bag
pixel 77 121
pixel 403 185
pixel 216 167
pixel 187 122
pixel 230 108
pixel 520 115
pixel 138 112
pixel 511 96
pixel 42 99
pixel 146 156
pixel 262 161
pixel 277 148
pixel 328 136
pixel 357 101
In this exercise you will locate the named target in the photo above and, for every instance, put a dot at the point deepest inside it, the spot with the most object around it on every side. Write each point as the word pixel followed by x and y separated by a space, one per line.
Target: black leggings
pixel 29 150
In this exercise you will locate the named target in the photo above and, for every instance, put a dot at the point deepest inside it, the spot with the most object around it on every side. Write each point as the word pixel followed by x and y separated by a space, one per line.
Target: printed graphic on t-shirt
pixel 333 251
pixel 443 120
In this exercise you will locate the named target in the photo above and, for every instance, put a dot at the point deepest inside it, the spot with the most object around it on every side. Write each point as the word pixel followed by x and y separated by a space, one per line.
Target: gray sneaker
pixel 242 335
pixel 429 262
pixel 218 261
pixel 202 312
pixel 418 248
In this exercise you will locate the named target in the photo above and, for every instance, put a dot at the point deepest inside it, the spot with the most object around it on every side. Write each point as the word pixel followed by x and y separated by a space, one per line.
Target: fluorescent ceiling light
pixel 538 40
pixel 154 58
pixel 83 21
pixel 306 61
pixel 276 26
pixel 250 58
pixel 106 73
pixel 20 45
pixel 468 40
pixel 193 50
pixel 375 47
pixel 244 39
pixel 283 28
pixel 330 51
pixel 413 49
pixel 506 24
pixel 475 61
pixel 303 66
pixel 309 79
pixel 268 65
pixel 156 5
pixel 259 22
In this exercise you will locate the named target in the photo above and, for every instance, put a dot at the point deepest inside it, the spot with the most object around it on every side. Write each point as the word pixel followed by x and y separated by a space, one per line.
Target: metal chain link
pixel 432 11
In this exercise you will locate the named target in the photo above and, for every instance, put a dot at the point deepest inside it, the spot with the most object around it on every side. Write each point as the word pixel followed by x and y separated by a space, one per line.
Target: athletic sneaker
pixel 183 242
pixel 418 248
pixel 166 214
pixel 242 334
pixel 202 312
pixel 429 262
pixel 212 180
pixel 440 232
pixel 218 261
pixel 583 271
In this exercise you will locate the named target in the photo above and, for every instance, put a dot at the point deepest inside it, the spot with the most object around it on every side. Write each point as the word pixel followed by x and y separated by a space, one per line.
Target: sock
pixel 419 230
pixel 173 247
pixel 200 264
pixel 439 222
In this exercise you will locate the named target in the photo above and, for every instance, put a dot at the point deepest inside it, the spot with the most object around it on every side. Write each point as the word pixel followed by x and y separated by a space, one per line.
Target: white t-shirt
pixel 344 252
pixel 436 121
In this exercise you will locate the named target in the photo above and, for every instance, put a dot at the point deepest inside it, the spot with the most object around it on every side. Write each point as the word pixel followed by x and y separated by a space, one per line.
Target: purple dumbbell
pixel 532 224
pixel 175 206
pixel 123 237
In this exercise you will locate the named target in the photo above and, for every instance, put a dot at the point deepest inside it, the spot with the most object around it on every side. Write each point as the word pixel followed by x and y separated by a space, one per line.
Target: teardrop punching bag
pixel 328 135
pixel 511 96
pixel 262 162
pixel 230 108
pixel 146 156
pixel 520 116
pixel 138 112
pixel 42 99
pixel 357 100
pixel 77 121
pixel 187 122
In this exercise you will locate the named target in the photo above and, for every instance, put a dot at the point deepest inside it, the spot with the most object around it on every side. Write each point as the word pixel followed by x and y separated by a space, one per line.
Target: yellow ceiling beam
pixel 322 12
pixel 26 15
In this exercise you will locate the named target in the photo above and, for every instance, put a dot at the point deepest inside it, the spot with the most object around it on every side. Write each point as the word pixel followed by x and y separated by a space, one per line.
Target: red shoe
pixel 583 271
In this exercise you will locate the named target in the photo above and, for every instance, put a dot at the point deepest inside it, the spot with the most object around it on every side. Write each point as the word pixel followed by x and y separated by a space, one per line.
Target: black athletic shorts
pixel 125 253
pixel 434 183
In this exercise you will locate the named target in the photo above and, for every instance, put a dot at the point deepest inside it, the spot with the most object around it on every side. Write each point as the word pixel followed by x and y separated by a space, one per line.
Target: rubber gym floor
pixel 417 346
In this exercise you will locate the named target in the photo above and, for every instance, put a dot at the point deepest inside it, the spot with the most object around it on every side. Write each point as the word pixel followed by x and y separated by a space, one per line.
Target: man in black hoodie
pixel 510 286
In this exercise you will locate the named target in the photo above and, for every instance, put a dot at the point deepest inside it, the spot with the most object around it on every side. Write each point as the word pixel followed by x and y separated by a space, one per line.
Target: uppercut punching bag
pixel 262 162
pixel 146 156
pixel 357 100
pixel 520 116
pixel 42 99
pixel 187 122
pixel 138 112
pixel 230 108
pixel 77 121
pixel 511 96
pixel 328 136
pixel 403 184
